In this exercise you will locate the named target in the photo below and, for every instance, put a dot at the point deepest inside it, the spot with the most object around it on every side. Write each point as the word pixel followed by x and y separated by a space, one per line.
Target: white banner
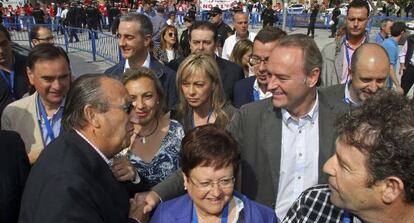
pixel 206 5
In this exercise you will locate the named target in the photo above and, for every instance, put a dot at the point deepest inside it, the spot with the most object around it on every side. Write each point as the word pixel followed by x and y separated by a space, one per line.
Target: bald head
pixel 373 55
pixel 369 69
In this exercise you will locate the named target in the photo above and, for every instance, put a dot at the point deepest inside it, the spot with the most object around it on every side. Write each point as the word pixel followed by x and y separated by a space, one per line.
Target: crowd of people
pixel 217 125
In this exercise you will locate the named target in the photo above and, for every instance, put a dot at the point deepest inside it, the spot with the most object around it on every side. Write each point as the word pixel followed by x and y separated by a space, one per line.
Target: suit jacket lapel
pixel 327 117
pixel 272 138
pixel 339 63
pixel 37 133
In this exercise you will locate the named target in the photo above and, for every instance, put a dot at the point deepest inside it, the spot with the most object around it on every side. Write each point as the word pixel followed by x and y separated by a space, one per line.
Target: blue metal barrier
pixel 89 41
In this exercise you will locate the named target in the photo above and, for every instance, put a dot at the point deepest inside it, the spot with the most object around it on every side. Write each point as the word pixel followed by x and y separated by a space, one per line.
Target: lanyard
pixel 10 83
pixel 347 217
pixel 43 115
pixel 224 214
pixel 256 96
pixel 192 119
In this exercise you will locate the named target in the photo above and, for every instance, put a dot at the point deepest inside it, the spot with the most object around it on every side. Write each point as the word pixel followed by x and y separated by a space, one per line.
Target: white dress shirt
pixel 230 42
pixel 145 64
pixel 402 54
pixel 299 157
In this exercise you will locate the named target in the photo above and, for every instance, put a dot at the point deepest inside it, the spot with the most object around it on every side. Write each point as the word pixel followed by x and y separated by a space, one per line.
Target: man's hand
pixel 123 169
pixel 151 200
pixel 399 90
pixel 136 211
pixel 402 69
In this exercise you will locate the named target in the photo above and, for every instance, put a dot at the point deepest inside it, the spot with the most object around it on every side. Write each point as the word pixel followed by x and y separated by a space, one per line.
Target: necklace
pixel 144 138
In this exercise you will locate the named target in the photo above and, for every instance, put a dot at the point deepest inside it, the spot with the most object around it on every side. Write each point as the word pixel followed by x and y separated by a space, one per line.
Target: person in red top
pixel 29 10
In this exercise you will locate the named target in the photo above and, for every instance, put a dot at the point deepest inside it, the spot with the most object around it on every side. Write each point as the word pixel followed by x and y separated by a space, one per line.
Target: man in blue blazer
pixel 134 38
pixel 254 88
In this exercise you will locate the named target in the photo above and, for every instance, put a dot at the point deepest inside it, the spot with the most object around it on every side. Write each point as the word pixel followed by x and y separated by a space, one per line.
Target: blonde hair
pixel 239 50
pixel 191 66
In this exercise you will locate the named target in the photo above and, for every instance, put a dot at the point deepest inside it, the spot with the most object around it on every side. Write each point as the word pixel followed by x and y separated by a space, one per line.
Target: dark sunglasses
pixel 212 15
pixel 171 34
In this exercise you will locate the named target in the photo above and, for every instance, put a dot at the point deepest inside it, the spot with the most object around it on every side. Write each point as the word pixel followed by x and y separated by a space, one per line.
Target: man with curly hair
pixel 371 174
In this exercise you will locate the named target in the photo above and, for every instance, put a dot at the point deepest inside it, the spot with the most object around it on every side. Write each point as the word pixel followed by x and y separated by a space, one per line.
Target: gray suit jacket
pixel 333 62
pixel 257 127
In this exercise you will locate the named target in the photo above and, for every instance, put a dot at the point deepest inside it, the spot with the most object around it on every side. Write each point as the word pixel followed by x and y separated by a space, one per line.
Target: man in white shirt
pixel 241 25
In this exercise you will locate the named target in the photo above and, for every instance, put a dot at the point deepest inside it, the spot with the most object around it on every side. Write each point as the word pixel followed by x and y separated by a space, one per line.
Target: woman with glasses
pixel 209 159
pixel 168 48
pixel 155 146
pixel 202 99
pixel 241 54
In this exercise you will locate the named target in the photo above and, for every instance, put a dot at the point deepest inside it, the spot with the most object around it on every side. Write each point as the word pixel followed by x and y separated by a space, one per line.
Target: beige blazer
pixel 20 116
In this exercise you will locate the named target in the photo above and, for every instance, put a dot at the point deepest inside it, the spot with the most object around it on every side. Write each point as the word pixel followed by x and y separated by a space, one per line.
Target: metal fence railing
pixel 91 42
pixel 99 44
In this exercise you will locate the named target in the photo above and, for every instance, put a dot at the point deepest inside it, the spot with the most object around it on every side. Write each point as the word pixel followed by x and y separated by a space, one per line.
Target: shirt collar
pixel 348 99
pixel 349 46
pixel 145 64
pixel 311 115
pixel 107 161
pixel 57 112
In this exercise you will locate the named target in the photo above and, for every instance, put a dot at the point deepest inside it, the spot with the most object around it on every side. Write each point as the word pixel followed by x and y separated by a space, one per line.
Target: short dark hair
pixel 85 90
pixel 208 145
pixel 204 25
pixel 269 34
pixel 46 51
pixel 5 32
pixel 382 128
pixel 312 57
pixel 146 27
pixel 358 4
pixel 397 28
pixel 135 74
pixel 34 33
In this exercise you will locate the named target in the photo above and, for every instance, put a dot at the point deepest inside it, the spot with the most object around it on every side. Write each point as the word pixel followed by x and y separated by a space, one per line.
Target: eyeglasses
pixel 48 38
pixel 212 15
pixel 171 34
pixel 254 60
pixel 126 107
pixel 224 183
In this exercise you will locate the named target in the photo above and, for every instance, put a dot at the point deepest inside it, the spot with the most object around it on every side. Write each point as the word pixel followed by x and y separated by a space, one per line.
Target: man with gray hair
pixel 72 180
pixel 134 39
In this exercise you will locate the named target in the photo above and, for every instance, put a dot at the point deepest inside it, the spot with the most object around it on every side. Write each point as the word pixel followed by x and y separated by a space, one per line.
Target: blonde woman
pixel 241 55
pixel 202 99
pixel 155 148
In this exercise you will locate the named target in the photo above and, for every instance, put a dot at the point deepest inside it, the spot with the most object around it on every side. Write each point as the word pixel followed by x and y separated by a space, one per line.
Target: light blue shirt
pixel 391 46
pixel 55 121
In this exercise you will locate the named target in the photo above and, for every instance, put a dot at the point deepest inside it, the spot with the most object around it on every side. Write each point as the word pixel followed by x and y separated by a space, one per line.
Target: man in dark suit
pixel 13 78
pixel 254 88
pixel 72 180
pixel 203 39
pixel 284 140
pixel 134 38
pixel 14 168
